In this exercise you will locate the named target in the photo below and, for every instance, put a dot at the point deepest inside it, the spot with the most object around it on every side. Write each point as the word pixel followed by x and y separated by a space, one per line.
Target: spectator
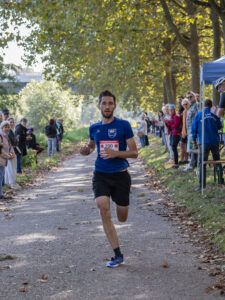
pixel 50 131
pixel 183 141
pixel 5 113
pixel 167 135
pixel 148 122
pixel 211 137
pixel 174 127
pixel 197 98
pixel 142 131
pixel 180 106
pixel 193 110
pixel 10 170
pixel 5 154
pixel 1 117
pixel 32 144
pixel 160 125
pixel 59 137
pixel 21 138
pixel 220 86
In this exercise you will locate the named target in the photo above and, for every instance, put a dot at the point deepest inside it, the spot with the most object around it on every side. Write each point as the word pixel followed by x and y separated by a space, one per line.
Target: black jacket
pixel 12 139
pixel 50 131
pixel 32 143
pixel 21 134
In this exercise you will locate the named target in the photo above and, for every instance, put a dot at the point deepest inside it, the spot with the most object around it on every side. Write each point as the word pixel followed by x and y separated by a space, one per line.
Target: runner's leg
pixel 103 203
pixel 122 213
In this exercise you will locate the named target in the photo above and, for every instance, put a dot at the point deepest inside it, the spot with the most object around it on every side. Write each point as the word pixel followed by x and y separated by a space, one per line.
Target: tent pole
pixel 202 96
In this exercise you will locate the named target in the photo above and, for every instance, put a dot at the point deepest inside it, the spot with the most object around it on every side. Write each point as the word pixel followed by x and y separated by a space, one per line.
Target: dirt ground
pixel 58 249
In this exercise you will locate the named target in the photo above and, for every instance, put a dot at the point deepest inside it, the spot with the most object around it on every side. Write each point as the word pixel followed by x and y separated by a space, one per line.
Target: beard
pixel 107 115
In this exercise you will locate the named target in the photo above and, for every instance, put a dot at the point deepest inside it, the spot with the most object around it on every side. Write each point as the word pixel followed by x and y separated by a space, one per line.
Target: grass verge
pixel 208 210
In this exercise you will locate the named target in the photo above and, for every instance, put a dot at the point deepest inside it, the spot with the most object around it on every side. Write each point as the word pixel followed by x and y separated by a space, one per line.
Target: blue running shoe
pixel 115 262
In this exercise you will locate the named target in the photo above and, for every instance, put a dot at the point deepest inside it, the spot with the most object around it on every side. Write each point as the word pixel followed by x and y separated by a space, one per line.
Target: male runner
pixel 111 178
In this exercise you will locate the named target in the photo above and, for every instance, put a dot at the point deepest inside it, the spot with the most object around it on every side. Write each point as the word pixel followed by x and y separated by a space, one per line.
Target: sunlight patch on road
pixel 34 237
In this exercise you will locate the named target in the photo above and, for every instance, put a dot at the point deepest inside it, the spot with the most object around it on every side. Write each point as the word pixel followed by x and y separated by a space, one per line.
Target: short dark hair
pixel 208 103
pixel 180 97
pixel 105 94
pixel 23 120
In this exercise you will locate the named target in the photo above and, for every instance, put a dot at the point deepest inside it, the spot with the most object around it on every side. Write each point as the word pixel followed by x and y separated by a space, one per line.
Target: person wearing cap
pixel 5 153
pixel 220 86
pixel 5 113
pixel 32 144
pixel 174 128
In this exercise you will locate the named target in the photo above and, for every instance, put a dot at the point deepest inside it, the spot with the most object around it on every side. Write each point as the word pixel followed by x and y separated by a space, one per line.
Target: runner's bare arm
pixel 220 112
pixel 131 153
pixel 87 149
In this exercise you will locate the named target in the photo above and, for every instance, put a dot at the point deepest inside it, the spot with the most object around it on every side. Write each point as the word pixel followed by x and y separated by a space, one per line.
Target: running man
pixel 111 177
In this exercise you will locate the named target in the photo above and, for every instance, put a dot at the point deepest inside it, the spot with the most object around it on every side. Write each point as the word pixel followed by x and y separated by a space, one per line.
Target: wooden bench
pixel 217 170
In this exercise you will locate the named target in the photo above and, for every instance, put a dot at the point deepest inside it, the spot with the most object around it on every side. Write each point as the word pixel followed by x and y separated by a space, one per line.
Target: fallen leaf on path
pixel 25 283
pixel 4 268
pixel 92 270
pixel 80 190
pixel 137 251
pixel 83 223
pixel 106 259
pixel 22 289
pixel 208 289
pixel 69 190
pixel 53 197
pixel 62 228
pixel 165 264
pixel 5 257
pixel 141 195
pixel 44 277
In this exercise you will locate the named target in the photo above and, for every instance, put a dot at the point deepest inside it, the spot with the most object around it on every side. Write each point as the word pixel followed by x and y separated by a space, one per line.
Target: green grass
pixel 208 210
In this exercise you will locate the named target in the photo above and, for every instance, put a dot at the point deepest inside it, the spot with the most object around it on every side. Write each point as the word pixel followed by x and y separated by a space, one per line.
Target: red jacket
pixel 173 124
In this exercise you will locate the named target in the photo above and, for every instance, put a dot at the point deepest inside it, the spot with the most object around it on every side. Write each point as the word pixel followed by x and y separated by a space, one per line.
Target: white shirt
pixel 143 127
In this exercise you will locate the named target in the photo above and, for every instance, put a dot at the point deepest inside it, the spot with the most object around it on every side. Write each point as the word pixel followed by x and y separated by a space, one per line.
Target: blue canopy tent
pixel 209 73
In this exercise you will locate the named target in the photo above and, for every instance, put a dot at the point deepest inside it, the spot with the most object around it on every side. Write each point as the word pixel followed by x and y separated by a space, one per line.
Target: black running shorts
pixel 117 185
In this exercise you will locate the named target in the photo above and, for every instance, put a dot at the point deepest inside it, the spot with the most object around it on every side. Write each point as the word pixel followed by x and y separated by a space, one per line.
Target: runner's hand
pixel 85 150
pixel 108 153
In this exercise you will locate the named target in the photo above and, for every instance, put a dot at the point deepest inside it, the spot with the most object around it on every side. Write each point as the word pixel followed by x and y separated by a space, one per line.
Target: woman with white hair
pixel 5 154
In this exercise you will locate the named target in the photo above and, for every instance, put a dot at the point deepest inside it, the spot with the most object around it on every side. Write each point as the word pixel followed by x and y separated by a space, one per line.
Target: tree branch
pixel 206 4
pixel 173 27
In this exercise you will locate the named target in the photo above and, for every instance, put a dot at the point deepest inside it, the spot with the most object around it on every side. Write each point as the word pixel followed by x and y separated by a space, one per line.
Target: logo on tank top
pixel 112 132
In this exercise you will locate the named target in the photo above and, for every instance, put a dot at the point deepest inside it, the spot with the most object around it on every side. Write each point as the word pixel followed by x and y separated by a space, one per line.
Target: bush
pixel 29 160
pixel 78 134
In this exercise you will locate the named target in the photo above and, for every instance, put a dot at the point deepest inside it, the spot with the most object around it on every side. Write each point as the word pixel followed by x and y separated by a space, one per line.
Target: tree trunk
pixel 216 46
pixel 165 100
pixel 168 69
pixel 193 49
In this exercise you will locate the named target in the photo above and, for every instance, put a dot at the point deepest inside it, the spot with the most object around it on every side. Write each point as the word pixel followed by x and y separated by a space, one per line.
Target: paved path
pixel 55 230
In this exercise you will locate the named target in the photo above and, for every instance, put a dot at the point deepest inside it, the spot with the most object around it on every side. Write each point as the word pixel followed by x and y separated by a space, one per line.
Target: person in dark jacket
pixel 21 137
pixel 32 144
pixel 50 131
pixel 212 125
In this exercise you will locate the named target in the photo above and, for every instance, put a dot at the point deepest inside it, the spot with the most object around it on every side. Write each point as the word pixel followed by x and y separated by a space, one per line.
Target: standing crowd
pixel 182 125
pixel 14 142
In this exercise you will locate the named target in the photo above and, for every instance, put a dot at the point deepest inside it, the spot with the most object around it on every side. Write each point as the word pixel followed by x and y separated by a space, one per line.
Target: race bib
pixel 114 145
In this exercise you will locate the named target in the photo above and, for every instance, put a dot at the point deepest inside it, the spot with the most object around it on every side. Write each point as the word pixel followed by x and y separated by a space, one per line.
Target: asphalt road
pixel 54 233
